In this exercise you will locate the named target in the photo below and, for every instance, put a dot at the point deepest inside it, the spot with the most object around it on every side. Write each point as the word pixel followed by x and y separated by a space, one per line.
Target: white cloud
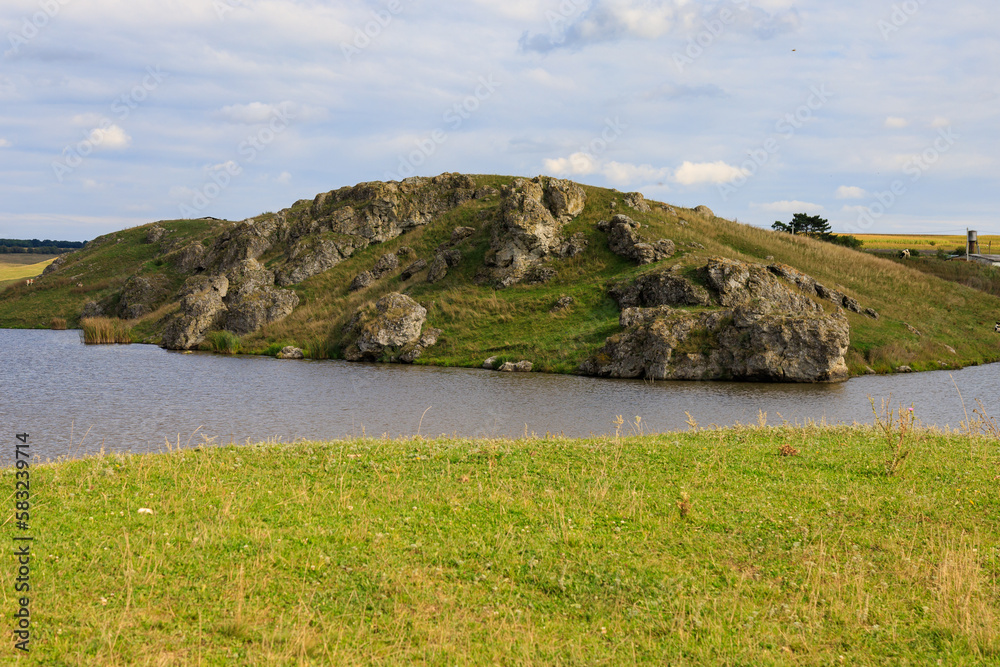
pixel 284 178
pixel 4 143
pixel 577 164
pixel 851 192
pixel 111 136
pixel 793 206
pixel 940 122
pixel 694 173
pixel 896 123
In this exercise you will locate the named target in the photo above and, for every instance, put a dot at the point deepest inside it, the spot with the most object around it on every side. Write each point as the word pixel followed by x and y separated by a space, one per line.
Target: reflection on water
pixel 75 399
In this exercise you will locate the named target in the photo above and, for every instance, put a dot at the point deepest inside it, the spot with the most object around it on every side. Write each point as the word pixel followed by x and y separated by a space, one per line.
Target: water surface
pixel 75 399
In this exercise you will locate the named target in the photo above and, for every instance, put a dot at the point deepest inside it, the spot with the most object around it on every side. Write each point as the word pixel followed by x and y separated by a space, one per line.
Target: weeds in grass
pixel 684 505
pixel 898 429
pixel 787 450
pixel 58 324
pixel 224 342
pixel 105 331
pixel 984 423
pixel 618 422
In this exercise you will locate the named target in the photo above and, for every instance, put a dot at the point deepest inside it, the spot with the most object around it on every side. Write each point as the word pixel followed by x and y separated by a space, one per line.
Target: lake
pixel 75 399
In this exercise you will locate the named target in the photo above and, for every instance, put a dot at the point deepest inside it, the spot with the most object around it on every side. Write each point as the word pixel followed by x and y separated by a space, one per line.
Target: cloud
pixel 619 174
pixel 284 178
pixel 692 173
pixel 674 91
pixel 793 206
pixel 4 143
pixel 896 123
pixel 612 20
pixel 577 164
pixel 940 122
pixel 109 136
pixel 851 192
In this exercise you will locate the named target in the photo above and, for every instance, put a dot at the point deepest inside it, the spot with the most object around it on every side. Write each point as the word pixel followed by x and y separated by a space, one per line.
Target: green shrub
pixel 224 342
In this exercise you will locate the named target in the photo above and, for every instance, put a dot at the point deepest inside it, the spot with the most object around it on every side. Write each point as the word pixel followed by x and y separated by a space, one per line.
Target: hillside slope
pixel 501 255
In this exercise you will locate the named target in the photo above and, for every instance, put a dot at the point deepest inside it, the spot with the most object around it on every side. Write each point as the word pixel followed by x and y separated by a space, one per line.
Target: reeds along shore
pixel 105 331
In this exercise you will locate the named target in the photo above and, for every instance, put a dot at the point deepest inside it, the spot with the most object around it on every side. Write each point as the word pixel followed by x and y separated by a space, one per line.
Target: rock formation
pixel 532 213
pixel 764 331
pixel 389 330
pixel 624 240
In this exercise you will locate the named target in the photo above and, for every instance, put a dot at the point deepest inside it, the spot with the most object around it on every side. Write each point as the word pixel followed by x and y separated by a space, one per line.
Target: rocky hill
pixel 458 269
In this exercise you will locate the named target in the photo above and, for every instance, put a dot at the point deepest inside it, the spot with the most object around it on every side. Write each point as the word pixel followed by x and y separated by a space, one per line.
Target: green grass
pixel 105 331
pixel 17 267
pixel 702 548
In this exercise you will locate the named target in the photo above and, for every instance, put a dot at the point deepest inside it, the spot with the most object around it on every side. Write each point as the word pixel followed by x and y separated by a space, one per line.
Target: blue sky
pixel 879 115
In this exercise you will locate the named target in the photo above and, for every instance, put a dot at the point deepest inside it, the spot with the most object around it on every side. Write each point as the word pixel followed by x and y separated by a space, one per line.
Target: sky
pixel 879 115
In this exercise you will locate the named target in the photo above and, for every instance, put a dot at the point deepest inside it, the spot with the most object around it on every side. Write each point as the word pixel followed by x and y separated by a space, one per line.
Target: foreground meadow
pixel 747 546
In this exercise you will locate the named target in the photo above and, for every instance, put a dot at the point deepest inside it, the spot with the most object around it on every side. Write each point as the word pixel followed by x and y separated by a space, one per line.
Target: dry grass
pixel 105 331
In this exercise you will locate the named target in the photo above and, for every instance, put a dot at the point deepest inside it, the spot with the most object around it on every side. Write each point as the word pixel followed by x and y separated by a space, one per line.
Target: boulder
pixel 413 268
pixel 563 303
pixel 459 234
pixel 388 330
pixel 361 281
pixel 564 199
pixel 519 367
pixel 705 212
pixel 405 251
pixel 754 288
pixel 201 308
pixel 660 288
pixel 141 295
pixel 438 270
pixel 490 364
pixel 574 246
pixel 92 309
pixel 637 201
pixel 54 266
pixel 624 240
pixel 385 265
pixel 155 234
pixel 291 352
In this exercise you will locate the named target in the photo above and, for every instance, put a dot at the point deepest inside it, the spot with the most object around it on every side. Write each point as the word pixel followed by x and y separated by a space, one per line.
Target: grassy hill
pixel 955 323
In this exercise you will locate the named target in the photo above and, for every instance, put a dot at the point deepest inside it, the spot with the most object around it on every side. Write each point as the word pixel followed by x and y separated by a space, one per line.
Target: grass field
pixel 924 242
pixel 15 267
pixel 748 546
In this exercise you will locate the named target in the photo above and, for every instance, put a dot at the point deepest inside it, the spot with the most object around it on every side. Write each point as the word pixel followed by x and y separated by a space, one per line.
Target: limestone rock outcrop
pixel 253 301
pixel 141 295
pixel 389 330
pixel 660 288
pixel 764 331
pixel 532 213
pixel 624 240
pixel 808 285
pixel 201 308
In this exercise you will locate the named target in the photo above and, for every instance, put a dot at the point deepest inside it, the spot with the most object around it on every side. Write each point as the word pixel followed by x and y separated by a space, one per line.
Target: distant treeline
pixel 45 247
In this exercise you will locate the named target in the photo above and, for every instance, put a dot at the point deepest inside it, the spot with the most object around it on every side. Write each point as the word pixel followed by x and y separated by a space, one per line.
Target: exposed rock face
pixel 312 256
pixel 140 295
pixel 624 240
pixel 54 266
pixel 765 332
pixel 660 288
pixel 385 265
pixel 190 258
pixel 808 285
pixel 252 301
pixel 563 303
pixel 637 201
pixel 155 234
pixel 391 330
pixel 291 352
pixel 201 308
pixel 531 217
pixel 574 246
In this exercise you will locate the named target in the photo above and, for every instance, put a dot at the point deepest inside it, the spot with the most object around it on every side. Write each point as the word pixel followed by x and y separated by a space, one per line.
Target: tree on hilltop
pixel 816 227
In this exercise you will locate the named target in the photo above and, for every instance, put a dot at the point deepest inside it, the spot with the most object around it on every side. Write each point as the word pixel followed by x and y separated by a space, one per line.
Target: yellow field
pixel 924 241
pixel 13 270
